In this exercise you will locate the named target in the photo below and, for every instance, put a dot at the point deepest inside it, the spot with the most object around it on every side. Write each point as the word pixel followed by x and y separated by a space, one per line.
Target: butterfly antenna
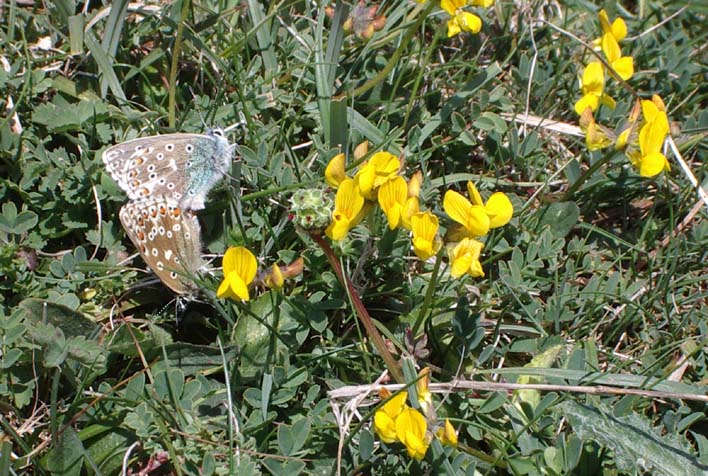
pixel 199 112
pixel 242 122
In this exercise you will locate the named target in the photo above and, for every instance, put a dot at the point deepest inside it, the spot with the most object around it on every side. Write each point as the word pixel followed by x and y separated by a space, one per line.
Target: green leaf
pixel 266 388
pixel 67 456
pixel 105 65
pixel 106 445
pixel 191 358
pixel 72 323
pixel 141 419
pixel 366 444
pixel 254 333
pixel 262 25
pixel 488 121
pixel 53 341
pixel 283 468
pixel 636 445
pixel 9 220
pixel 76 34
pixel 169 384
pixel 561 217
pixel 5 453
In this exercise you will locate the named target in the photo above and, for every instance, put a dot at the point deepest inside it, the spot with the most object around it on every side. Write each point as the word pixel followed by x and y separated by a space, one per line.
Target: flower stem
pixel 361 311
pixel 432 284
pixel 586 175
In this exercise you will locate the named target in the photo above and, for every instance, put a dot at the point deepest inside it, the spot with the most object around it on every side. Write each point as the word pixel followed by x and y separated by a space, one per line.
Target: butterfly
pixel 182 167
pixel 167 237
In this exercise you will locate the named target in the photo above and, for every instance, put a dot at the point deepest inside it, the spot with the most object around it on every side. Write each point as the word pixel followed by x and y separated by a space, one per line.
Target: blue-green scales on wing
pixel 182 167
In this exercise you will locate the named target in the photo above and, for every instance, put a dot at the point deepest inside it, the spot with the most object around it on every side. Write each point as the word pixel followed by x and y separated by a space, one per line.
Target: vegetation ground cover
pixel 427 328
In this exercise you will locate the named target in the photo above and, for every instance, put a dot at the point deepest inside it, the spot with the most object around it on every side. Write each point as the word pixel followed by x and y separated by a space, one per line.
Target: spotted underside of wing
pixel 170 165
pixel 168 239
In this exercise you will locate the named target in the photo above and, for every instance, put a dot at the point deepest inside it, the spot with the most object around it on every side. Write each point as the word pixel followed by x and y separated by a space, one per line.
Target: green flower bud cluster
pixel 311 208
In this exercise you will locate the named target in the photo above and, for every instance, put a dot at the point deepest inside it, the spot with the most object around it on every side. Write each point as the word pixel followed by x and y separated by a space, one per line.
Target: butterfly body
pixel 182 167
pixel 168 238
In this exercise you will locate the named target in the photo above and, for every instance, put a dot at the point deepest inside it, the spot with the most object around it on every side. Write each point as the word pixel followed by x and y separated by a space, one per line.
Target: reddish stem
pixel 361 311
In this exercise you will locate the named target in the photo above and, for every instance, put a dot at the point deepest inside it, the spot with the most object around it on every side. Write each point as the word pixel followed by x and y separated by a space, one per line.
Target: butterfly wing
pixel 168 239
pixel 182 167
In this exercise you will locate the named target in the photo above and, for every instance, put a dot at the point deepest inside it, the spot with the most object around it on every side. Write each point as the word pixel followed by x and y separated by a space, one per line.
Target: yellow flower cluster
pixel 395 421
pixel 592 81
pixel 474 219
pixel 461 20
pixel 642 149
pixel 378 181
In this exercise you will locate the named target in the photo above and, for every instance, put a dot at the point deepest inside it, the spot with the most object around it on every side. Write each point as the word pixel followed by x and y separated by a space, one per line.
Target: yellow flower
pixel 498 207
pixel 451 6
pixel 410 208
pixel 274 279
pixel 650 160
pixel 425 398
pixel 473 218
pixel 425 228
pixel 618 28
pixel 411 429
pixel 623 65
pixel 414 184
pixel 461 20
pixel 592 85
pixel 335 173
pixel 382 166
pixel 240 268
pixel 447 434
pixel 629 133
pixel 412 203
pixel 596 136
pixel 361 150
pixel 482 3
pixel 385 417
pixel 652 109
pixel 392 199
pixel 465 258
pixel 348 204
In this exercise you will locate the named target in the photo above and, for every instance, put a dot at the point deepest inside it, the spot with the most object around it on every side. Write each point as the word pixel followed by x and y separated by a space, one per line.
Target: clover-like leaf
pixel 16 223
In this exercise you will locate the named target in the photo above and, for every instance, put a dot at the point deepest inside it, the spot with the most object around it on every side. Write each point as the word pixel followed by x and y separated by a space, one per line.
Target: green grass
pixel 595 295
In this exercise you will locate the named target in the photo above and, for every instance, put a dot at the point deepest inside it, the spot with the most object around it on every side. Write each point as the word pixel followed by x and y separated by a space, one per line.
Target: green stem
pixel 423 64
pixel 432 284
pixel 483 456
pixel 361 311
pixel 586 175
pixel 175 62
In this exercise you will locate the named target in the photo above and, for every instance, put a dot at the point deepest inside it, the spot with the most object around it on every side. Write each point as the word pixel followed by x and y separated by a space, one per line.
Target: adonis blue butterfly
pixel 183 167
